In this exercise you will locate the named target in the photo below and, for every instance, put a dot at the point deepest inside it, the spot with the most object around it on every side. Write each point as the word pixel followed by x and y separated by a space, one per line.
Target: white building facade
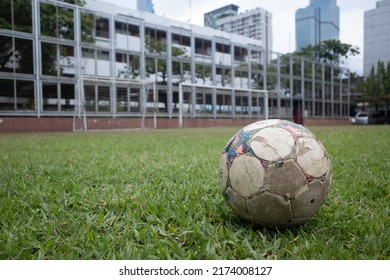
pixel 376 36
pixel 49 47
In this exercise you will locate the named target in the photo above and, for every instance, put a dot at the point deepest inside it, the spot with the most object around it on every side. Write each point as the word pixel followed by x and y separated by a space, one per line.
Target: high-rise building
pixel 317 22
pixel 139 5
pixel 145 5
pixel 376 36
pixel 211 18
pixel 256 23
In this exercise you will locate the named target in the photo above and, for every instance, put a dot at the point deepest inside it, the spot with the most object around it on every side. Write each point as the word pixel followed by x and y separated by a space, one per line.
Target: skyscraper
pixel 256 23
pixel 376 36
pixel 210 18
pixel 145 5
pixel 317 22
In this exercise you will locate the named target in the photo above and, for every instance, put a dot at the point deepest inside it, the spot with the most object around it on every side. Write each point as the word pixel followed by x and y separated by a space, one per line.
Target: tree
pixel 378 82
pixel 386 82
pixel 371 86
pixel 13 51
pixel 6 52
pixel 331 51
pixel 381 78
pixel 159 66
pixel 20 20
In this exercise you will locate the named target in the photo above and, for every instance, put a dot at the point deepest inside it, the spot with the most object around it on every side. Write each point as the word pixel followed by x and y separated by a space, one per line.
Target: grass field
pixel 155 195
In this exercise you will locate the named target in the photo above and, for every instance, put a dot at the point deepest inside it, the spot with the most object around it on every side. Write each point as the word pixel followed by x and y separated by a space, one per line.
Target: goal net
pixel 115 103
pixel 197 101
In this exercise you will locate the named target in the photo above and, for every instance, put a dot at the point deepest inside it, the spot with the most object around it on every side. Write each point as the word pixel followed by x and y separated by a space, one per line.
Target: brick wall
pixel 51 124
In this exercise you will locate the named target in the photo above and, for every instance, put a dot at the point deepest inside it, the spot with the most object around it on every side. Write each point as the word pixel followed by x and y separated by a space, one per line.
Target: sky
pixel 283 22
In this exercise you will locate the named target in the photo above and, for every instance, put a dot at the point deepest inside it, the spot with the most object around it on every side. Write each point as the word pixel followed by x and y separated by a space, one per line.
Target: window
pixel 156 34
pixel 58 60
pixel 181 40
pixel 16 55
pixel 202 46
pixel 127 66
pixel 224 102
pixel 181 72
pixel 17 95
pixel 56 21
pixel 58 97
pixel 96 62
pixel 126 29
pixel 127 99
pixel 203 74
pixel 223 76
pixel 93 26
pixel 204 101
pixel 240 54
pixel 16 15
pixel 102 27
pixel 97 98
pixel 127 36
pixel 222 48
pixel 155 41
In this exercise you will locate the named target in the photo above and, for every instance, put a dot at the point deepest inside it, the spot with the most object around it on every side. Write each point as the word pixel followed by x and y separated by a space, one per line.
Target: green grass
pixel 155 195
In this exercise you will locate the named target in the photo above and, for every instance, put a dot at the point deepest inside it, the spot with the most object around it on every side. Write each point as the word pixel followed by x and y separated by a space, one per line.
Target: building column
pixel 142 54
pixel 341 95
pixel 279 101
pixel 349 96
pixel 313 85
pixel 249 50
pixel 112 66
pixel 323 89
pixel 332 92
pixel 265 84
pixel 37 57
pixel 232 77
pixel 303 88
pixel 169 72
pixel 193 74
pixel 213 71
pixel 291 87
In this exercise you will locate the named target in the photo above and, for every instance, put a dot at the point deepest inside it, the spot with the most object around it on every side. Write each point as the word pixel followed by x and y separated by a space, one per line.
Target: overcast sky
pixel 283 13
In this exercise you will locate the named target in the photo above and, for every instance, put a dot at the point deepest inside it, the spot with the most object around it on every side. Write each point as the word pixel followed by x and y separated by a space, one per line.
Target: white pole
pixel 155 106
pixel 145 97
pixel 266 109
pixel 180 105
pixel 37 63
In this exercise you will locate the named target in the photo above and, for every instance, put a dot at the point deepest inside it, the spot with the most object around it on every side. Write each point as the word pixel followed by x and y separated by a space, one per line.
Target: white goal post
pixel 114 97
pixel 249 94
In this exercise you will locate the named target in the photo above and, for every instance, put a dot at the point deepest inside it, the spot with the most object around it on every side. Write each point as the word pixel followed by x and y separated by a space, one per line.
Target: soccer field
pixel 154 195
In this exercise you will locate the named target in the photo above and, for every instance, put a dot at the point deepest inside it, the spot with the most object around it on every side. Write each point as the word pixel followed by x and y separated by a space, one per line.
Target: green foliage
pixel 159 66
pixel 20 50
pixel 203 72
pixel 6 52
pixel 155 46
pixel 331 51
pixel 155 195
pixel 56 21
pixel 134 67
pixel 154 65
pixel 22 20
pixel 378 82
pixel 87 25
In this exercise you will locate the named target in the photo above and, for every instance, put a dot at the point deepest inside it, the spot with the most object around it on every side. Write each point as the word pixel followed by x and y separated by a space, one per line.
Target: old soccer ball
pixel 275 173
